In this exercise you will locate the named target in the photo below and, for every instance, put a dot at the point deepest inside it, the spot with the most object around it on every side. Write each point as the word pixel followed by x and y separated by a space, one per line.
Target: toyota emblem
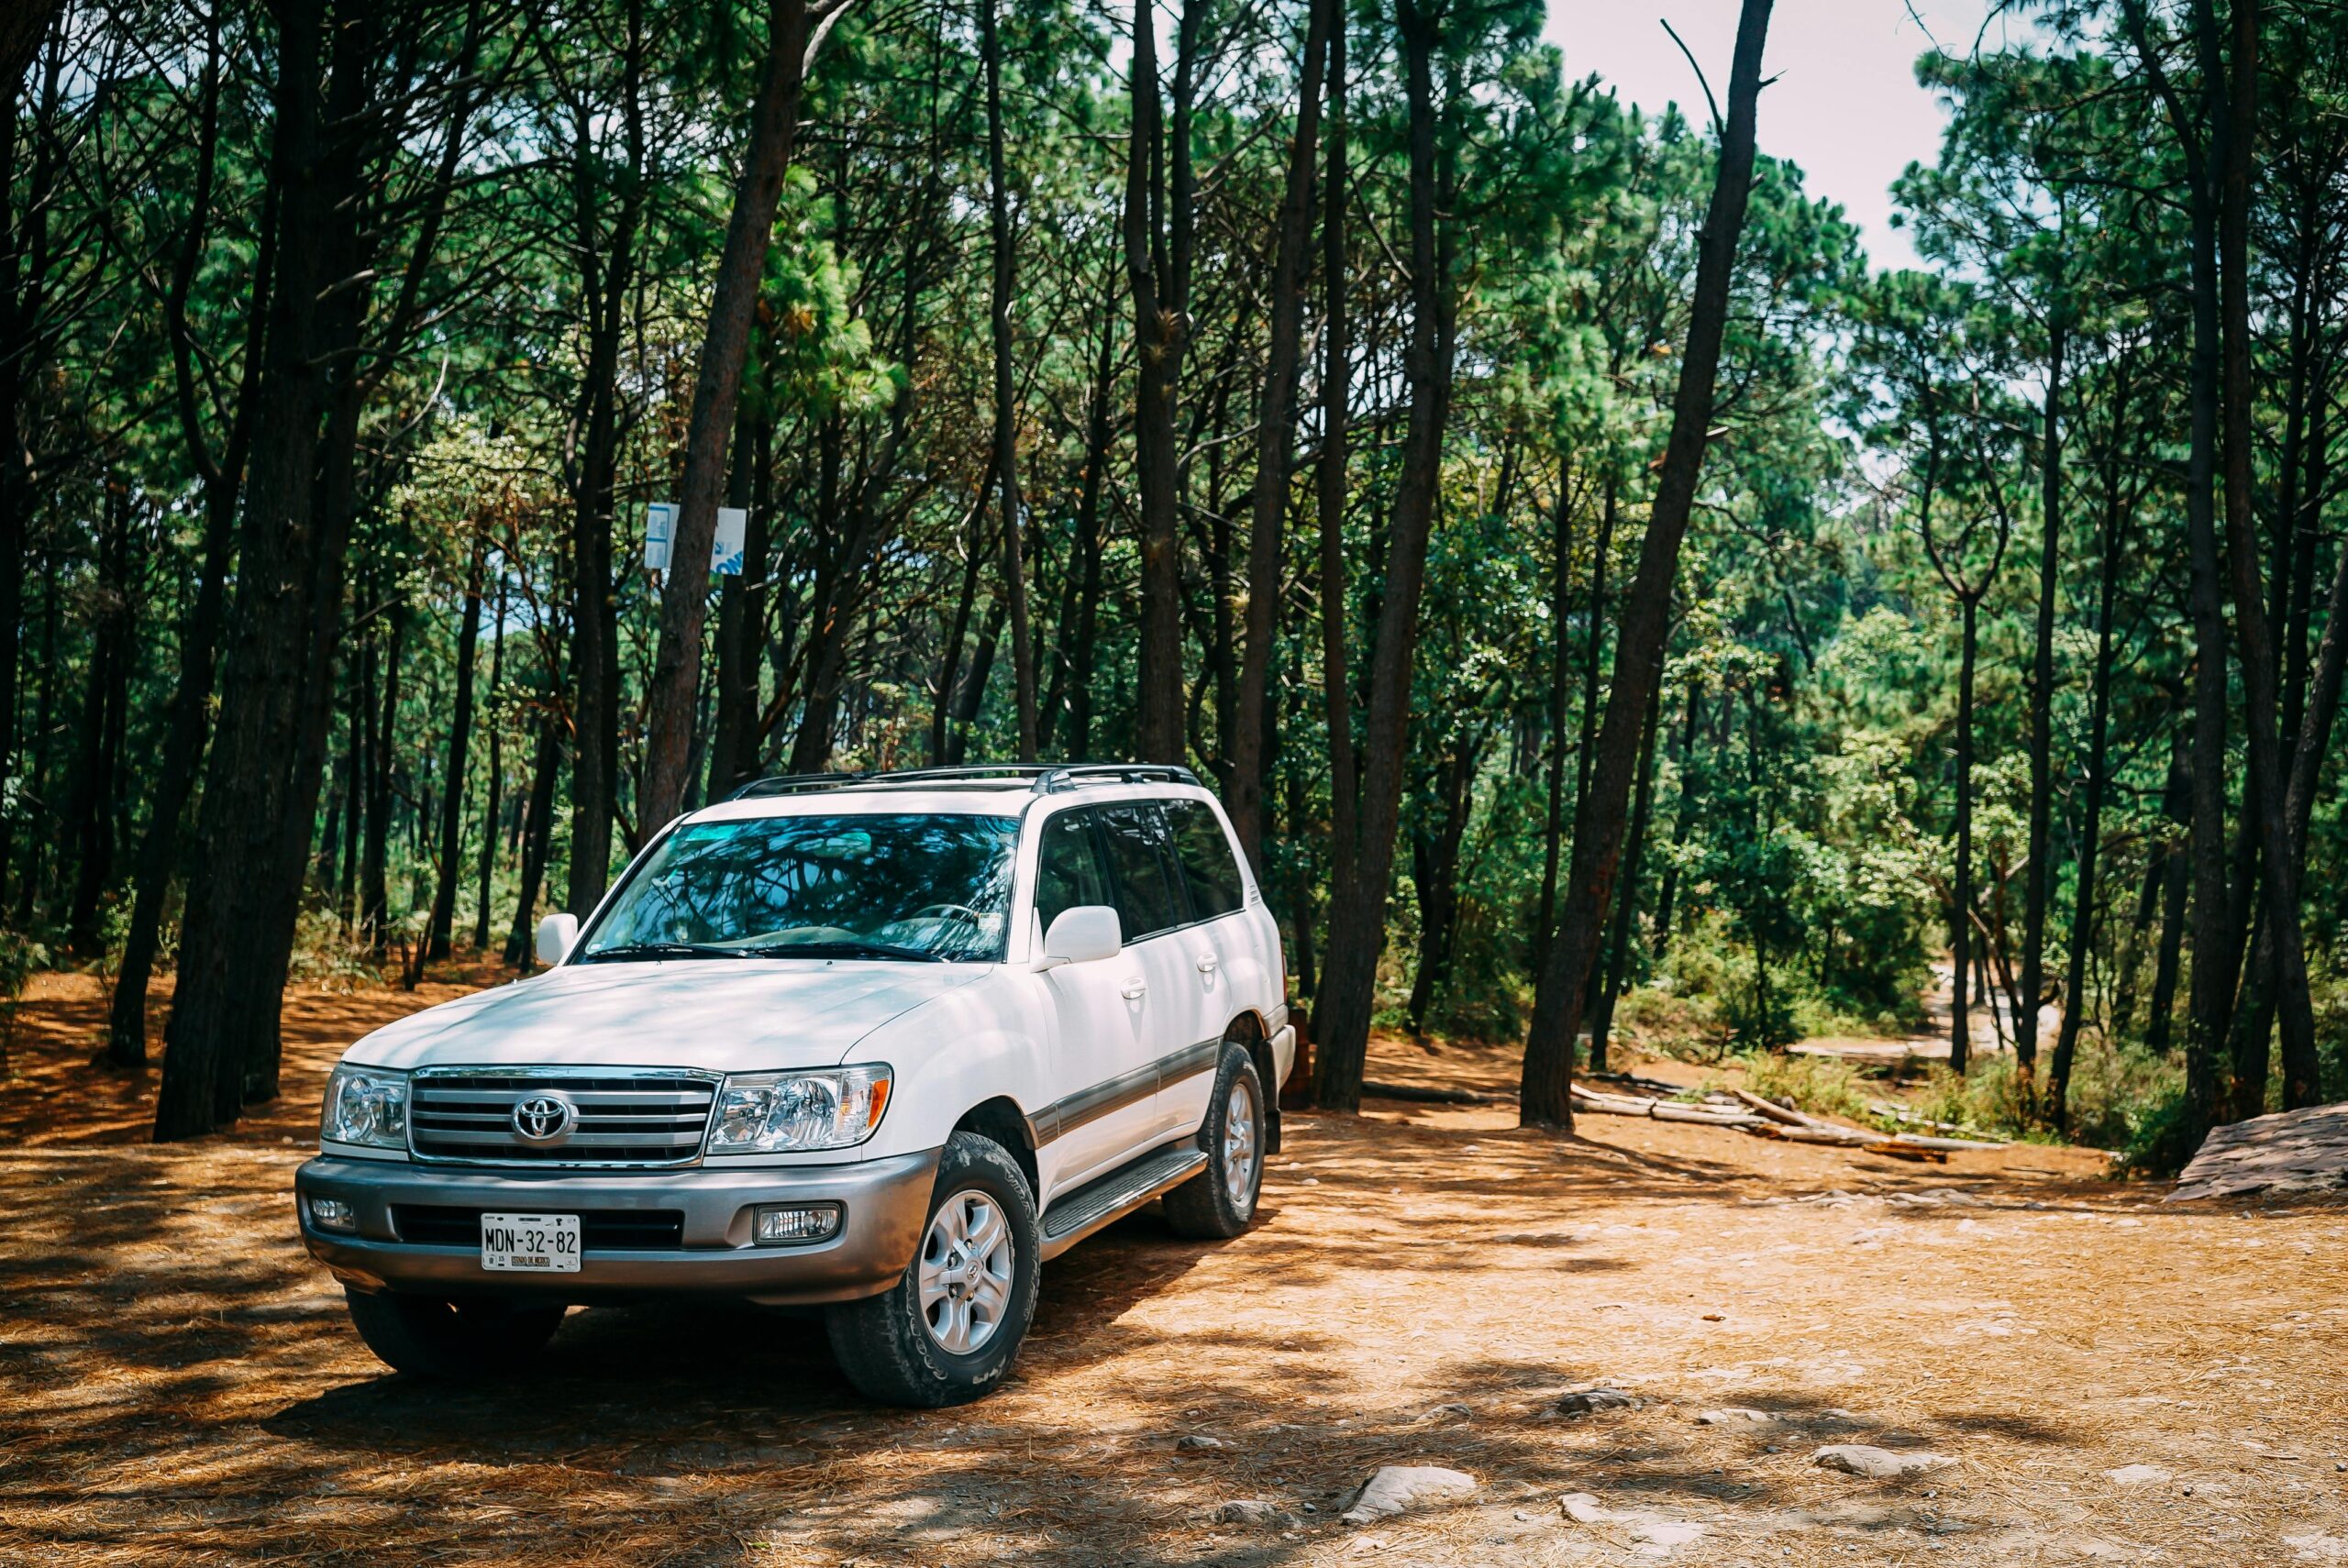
pixel 544 1119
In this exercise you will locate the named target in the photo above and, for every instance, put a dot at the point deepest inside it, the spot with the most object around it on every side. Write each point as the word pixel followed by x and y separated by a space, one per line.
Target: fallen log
pixel 1422 1096
pixel 1774 1111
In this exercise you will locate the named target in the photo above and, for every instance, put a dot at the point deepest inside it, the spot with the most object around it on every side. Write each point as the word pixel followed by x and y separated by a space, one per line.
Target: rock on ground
pixel 2137 1474
pixel 1589 1401
pixel 1253 1511
pixel 1877 1463
pixel 2288 1151
pixel 1398 1487
pixel 1655 1536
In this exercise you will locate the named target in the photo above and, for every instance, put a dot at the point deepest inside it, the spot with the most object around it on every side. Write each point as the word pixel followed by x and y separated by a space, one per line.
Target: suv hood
pixel 724 1015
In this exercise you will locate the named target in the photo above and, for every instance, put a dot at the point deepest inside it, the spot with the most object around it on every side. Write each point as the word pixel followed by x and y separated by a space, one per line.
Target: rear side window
pixel 1148 900
pixel 1068 867
pixel 1207 864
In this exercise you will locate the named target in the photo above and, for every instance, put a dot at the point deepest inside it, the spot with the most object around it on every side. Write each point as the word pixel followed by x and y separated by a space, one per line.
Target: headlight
pixel 766 1113
pixel 367 1106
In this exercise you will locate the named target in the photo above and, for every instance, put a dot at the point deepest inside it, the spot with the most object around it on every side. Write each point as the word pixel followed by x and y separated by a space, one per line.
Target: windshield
pixel 913 887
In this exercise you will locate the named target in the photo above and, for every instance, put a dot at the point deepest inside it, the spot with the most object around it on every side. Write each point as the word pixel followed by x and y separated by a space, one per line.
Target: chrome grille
pixel 651 1118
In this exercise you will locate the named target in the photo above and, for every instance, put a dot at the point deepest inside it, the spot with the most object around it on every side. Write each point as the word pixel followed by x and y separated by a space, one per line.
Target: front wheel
pixel 1219 1202
pixel 945 1332
pixel 428 1338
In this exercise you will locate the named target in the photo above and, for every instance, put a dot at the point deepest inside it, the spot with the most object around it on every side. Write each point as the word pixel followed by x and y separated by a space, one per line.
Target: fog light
pixel 333 1214
pixel 791 1225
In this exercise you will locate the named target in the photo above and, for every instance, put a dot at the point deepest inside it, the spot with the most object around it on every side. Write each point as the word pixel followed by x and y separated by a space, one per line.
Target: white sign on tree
pixel 725 550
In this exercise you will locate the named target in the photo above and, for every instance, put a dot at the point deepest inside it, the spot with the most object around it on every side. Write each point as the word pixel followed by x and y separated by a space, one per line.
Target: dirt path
pixel 178 1384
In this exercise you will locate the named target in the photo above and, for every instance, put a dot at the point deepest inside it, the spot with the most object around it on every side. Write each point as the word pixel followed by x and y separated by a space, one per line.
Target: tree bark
pixel 1156 228
pixel 1275 435
pixel 452 803
pixel 1330 482
pixel 2066 1039
pixel 1006 407
pixel 2302 1078
pixel 1626 911
pixel 1645 621
pixel 2036 874
pixel 225 998
pixel 1435 869
pixel 1358 927
pixel 496 772
pixel 608 280
pixel 221 478
pixel 684 598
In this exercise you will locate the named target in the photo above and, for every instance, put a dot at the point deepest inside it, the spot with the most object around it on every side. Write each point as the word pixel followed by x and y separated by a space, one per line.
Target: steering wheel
pixel 949 911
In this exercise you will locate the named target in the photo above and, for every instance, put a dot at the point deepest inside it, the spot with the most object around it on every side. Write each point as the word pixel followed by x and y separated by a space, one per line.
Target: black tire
pixel 476 1337
pixel 893 1346
pixel 1207 1206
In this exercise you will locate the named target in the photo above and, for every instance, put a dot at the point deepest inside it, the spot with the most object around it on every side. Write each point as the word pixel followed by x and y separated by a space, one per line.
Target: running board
pixel 1097 1203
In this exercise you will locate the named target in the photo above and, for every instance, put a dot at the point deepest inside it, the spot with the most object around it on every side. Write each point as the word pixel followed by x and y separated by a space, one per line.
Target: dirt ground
pixel 178 1384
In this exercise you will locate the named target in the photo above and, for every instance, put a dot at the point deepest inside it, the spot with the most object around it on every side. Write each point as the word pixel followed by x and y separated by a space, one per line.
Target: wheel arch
pixel 1001 1121
pixel 1246 1030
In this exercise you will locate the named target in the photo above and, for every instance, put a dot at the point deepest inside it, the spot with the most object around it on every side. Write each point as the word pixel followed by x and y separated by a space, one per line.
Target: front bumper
pixel 884 1204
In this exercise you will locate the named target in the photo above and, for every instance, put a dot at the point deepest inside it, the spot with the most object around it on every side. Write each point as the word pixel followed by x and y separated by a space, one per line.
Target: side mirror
pixel 1082 934
pixel 557 933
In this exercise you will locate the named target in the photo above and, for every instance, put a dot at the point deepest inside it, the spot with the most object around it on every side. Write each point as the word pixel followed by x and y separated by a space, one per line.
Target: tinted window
pixel 1207 864
pixel 1067 870
pixel 1148 900
pixel 817 887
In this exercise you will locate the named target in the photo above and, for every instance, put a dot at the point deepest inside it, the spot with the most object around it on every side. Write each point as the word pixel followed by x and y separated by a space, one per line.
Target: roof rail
pixel 1055 780
pixel 794 784
pixel 1049 778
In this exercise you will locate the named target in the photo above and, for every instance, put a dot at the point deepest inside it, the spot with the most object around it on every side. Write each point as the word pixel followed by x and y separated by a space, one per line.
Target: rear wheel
pixel 946 1331
pixel 1219 1202
pixel 427 1338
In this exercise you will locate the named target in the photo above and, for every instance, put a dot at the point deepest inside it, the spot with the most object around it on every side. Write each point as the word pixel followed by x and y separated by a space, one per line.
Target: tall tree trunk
pixel 374 912
pixel 1330 481
pixel 2066 1039
pixel 1156 272
pixel 1275 435
pixel 2036 877
pixel 452 804
pixel 1080 619
pixel 1553 827
pixel 25 254
pixel 1626 910
pixel 1006 408
pixel 2177 868
pixel 2302 1078
pixel 221 477
pixel 1683 823
pixel 537 829
pixel 2210 1006
pixel 496 772
pixel 684 598
pixel 608 283
pixel 1434 869
pixel 738 641
pixel 226 1001
pixel 1357 928
pixel 1645 619
pixel 1960 921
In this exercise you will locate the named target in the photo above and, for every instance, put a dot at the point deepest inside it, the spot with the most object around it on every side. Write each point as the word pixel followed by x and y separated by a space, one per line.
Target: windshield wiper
pixel 845 950
pixel 627 952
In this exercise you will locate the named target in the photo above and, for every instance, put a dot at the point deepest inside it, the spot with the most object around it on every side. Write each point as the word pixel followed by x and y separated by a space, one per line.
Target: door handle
pixel 1209 963
pixel 1134 988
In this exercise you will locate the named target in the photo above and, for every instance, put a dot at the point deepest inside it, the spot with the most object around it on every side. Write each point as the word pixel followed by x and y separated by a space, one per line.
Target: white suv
pixel 881 1043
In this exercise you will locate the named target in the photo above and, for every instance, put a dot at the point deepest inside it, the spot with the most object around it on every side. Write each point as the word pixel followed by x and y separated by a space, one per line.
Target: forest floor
pixel 2112 1378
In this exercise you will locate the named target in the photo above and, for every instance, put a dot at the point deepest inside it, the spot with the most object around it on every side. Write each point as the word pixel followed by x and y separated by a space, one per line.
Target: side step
pixel 1072 1218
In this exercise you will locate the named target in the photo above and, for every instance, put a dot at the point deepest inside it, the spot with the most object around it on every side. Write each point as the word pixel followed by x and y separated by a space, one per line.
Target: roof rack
pixel 1052 780
pixel 1048 780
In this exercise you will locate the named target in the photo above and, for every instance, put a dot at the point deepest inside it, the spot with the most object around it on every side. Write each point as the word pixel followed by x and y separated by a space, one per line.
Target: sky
pixel 1846 107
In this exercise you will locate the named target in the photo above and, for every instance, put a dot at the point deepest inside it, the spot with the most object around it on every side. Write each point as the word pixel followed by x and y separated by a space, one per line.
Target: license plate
pixel 530 1244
